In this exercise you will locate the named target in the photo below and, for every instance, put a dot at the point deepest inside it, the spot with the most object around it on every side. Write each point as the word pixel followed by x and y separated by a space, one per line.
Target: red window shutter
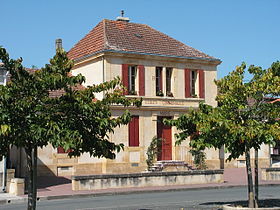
pixel 60 150
pixel 187 83
pixel 141 80
pixel 133 130
pixel 201 84
pixel 125 77
pixel 136 131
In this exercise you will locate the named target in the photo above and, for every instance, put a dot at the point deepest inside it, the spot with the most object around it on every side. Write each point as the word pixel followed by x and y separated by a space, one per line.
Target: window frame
pixel 158 72
pixel 193 83
pixel 168 81
pixel 132 79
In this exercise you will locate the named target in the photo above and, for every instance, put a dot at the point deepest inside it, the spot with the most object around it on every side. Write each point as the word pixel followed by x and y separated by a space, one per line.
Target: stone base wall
pixel 271 174
pixel 95 182
pixel 241 163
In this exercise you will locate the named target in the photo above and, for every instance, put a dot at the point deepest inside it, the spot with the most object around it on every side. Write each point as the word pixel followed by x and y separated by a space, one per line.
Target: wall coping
pixel 149 174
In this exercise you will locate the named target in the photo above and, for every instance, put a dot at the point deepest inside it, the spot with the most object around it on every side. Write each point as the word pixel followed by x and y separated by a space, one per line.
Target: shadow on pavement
pixel 47 181
pixel 262 203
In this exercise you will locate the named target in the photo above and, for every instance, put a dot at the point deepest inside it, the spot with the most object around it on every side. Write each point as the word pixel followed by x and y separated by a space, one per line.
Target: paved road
pixel 186 199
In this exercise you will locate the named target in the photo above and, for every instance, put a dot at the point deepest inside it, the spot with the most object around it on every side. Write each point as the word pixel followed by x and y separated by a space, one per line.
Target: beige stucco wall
pixel 132 159
pixel 93 72
pixel 114 65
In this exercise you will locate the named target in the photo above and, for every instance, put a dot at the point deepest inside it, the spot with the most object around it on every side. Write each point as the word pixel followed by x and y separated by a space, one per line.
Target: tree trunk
pixel 256 178
pixel 34 187
pixel 251 197
pixel 30 178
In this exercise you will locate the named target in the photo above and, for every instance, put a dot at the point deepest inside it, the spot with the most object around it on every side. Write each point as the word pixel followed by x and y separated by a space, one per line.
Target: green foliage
pixel 199 159
pixel 75 120
pixel 243 117
pixel 153 150
pixel 243 120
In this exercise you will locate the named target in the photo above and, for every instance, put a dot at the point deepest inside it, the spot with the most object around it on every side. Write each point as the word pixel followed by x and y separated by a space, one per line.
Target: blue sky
pixel 233 31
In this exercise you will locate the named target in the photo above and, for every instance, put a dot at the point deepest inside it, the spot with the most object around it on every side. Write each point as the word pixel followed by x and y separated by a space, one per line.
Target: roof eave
pixel 212 60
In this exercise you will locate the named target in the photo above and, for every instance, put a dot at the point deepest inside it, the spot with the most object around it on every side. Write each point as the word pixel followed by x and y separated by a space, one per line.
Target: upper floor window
pixel 159 81
pixel 168 82
pixel 132 73
pixel 193 83
pixel 133 78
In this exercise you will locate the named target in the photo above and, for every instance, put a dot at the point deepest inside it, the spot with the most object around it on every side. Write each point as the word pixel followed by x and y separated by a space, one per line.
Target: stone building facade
pixel 168 75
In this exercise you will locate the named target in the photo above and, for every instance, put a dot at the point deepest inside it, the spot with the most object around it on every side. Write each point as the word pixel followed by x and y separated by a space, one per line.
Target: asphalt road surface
pixel 181 200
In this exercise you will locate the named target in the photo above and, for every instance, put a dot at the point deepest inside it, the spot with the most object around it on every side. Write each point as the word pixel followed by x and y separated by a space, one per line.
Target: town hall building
pixel 169 76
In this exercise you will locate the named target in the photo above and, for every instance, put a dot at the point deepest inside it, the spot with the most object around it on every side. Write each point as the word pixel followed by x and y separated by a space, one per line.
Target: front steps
pixel 170 165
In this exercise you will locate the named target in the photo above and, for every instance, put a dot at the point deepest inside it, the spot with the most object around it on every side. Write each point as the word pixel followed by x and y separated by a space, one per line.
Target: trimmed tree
pixel 74 120
pixel 243 120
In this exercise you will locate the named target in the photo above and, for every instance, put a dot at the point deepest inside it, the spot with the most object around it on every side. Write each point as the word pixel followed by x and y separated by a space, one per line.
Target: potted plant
pixel 159 93
pixel 132 92
pixel 169 94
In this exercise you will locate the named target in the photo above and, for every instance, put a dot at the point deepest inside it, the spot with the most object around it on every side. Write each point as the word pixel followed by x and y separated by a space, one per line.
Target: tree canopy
pixel 51 106
pixel 244 118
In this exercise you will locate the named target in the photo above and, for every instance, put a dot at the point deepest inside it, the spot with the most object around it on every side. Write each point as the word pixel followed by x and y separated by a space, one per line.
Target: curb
pixel 56 197
pixel 135 191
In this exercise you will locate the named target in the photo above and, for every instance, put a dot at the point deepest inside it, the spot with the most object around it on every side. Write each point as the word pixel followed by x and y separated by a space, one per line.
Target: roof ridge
pixel 105 39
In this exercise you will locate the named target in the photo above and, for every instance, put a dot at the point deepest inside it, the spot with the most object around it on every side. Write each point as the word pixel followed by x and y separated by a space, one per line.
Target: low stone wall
pixel 94 182
pixel 271 174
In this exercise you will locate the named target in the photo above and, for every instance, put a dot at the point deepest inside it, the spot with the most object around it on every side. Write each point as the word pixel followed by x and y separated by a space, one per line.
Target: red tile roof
pixel 125 37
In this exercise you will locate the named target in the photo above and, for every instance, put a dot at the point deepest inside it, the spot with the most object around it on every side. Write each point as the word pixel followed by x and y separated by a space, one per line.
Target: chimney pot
pixel 122 18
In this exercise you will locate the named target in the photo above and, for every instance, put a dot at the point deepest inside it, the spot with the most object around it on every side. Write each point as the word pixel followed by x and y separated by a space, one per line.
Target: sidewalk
pixel 60 187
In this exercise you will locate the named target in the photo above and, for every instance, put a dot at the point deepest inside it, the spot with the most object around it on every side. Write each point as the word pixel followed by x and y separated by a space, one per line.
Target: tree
pixel 75 120
pixel 242 121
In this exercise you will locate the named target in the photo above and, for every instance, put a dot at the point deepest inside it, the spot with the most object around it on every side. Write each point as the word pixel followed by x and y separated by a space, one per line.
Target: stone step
pixel 161 165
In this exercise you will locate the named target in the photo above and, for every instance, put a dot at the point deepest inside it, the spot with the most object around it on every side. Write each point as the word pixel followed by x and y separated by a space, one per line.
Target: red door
pixel 164 132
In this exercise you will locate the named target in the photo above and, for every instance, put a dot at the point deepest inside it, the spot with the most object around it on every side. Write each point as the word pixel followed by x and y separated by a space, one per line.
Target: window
pixel 133 132
pixel 168 82
pixel 159 81
pixel 193 83
pixel 132 72
pixel 3 74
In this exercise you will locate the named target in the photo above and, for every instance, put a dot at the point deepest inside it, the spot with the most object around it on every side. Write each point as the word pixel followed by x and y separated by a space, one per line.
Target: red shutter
pixel 60 150
pixel 133 132
pixel 141 80
pixel 136 131
pixel 201 84
pixel 125 77
pixel 187 83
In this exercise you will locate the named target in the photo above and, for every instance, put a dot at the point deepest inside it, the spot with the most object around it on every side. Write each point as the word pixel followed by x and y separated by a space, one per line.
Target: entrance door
pixel 164 132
